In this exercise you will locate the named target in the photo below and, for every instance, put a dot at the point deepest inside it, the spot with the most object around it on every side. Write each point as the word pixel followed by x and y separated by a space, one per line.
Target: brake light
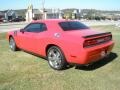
pixel 89 43
pixel 107 38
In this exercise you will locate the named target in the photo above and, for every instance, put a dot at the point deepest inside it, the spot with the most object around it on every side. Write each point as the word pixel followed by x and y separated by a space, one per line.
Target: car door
pixel 31 37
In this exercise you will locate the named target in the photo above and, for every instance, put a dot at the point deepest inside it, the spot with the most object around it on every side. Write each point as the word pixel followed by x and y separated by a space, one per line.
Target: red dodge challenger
pixel 62 42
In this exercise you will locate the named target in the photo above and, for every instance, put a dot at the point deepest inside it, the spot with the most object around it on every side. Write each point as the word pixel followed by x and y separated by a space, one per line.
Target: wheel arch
pixel 10 37
pixel 50 45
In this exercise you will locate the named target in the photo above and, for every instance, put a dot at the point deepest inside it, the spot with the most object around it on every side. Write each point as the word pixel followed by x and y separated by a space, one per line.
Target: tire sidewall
pixel 13 48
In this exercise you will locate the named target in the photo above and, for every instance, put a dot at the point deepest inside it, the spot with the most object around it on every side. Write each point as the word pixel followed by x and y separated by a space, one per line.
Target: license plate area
pixel 103 53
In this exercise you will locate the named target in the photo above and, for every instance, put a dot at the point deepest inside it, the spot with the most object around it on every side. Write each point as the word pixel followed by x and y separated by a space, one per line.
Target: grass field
pixel 22 71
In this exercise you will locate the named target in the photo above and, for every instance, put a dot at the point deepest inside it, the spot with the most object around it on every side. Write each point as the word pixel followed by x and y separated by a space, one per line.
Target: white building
pixel 29 13
pixel 38 14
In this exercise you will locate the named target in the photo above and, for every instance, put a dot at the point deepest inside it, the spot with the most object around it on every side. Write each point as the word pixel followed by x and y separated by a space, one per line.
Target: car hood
pixel 83 33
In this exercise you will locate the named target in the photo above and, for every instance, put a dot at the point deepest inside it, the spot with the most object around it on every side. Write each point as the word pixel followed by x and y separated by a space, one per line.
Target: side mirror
pixel 22 30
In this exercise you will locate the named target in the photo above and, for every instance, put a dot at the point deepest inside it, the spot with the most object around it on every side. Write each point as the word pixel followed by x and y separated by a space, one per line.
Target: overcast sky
pixel 81 4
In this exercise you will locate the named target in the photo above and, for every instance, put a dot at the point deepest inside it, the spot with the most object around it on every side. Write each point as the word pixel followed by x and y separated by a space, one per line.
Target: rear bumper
pixel 98 53
pixel 93 54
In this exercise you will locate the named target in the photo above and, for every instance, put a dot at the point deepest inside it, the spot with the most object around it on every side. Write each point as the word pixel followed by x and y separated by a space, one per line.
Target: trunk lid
pixel 92 37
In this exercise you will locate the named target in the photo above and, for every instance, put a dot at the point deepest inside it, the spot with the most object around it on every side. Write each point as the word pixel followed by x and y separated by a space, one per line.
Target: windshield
pixel 72 25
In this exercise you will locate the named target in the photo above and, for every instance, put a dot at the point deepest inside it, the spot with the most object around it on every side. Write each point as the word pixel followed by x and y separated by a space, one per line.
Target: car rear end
pixel 84 45
pixel 96 47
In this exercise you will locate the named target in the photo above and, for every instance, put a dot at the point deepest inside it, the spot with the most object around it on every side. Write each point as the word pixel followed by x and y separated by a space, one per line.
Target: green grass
pixel 2 36
pixel 22 71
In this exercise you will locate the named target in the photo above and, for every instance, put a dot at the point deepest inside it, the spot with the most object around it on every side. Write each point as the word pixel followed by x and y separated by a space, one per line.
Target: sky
pixel 80 4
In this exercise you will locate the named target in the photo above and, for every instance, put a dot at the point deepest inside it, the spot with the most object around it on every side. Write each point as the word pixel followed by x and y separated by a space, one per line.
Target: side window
pixel 43 27
pixel 36 27
pixel 64 25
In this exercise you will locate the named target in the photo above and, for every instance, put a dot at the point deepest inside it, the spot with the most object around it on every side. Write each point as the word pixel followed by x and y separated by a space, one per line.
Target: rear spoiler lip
pixel 94 35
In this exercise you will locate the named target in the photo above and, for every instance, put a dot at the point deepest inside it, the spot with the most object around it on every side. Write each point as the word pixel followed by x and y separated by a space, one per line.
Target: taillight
pixel 88 43
pixel 107 38
pixel 96 41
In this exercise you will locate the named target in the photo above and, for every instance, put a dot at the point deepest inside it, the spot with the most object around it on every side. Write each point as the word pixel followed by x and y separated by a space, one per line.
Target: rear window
pixel 72 25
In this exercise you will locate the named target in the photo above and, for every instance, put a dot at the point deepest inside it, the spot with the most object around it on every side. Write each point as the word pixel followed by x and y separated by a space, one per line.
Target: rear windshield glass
pixel 72 25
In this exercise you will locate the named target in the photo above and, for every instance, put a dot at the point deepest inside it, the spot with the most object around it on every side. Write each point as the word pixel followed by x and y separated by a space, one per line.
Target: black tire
pixel 12 44
pixel 56 58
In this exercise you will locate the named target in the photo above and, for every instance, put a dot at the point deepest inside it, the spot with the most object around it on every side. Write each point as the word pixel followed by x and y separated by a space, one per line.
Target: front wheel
pixel 12 44
pixel 56 58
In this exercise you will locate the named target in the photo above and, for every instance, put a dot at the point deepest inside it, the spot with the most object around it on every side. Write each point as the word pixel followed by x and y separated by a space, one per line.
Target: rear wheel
pixel 12 44
pixel 56 58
